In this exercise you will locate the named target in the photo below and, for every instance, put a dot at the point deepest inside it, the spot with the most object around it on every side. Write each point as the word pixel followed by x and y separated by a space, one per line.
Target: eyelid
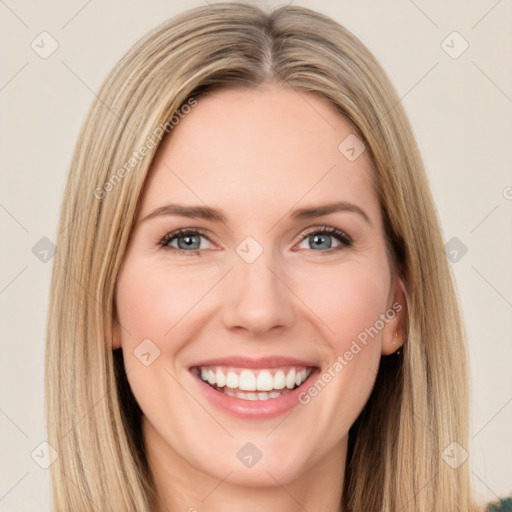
pixel 329 230
pixel 182 232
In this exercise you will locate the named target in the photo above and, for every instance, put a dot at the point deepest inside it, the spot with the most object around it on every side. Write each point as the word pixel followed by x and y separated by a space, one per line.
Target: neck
pixel 181 486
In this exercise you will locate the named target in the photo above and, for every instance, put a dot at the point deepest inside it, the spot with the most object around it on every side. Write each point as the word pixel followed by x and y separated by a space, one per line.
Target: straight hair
pixel 419 404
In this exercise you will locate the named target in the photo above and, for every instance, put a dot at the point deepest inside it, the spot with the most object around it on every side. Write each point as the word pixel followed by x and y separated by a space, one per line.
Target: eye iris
pixel 189 241
pixel 315 239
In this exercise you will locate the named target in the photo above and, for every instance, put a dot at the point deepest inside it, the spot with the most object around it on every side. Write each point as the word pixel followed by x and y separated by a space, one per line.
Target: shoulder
pixel 504 505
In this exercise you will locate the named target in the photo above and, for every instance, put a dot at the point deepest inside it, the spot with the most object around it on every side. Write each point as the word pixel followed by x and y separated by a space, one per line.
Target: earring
pixel 399 351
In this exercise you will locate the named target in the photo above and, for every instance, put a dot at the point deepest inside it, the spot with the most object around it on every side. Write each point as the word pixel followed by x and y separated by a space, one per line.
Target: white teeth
pixel 254 384
pixel 252 395
pixel 221 378
pixel 290 379
pixel 232 380
pixel 265 381
pixel 301 377
pixel 279 380
pixel 247 381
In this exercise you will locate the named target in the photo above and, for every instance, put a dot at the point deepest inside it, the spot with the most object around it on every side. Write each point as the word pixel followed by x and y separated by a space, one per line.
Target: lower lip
pixel 254 409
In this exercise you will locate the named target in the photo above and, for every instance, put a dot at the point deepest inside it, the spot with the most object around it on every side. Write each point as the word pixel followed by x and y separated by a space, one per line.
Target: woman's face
pixel 252 294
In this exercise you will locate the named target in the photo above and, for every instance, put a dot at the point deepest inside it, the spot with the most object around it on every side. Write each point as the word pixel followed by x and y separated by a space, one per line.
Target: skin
pixel 256 155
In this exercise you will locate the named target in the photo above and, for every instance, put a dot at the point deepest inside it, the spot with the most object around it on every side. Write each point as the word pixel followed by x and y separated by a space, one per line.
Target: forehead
pixel 253 150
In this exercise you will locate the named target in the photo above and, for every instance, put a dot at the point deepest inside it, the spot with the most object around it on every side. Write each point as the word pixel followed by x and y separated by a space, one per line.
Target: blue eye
pixel 319 239
pixel 188 241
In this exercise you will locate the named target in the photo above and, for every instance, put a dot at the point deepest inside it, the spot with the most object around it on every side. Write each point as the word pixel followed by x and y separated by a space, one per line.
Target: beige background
pixel 461 111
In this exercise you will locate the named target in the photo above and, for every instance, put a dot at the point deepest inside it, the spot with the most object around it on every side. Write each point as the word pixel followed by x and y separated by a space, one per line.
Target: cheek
pixel 351 307
pixel 156 308
pixel 348 299
pixel 152 301
pixel 158 311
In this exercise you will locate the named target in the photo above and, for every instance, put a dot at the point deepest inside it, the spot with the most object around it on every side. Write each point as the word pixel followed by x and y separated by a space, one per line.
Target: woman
pixel 251 307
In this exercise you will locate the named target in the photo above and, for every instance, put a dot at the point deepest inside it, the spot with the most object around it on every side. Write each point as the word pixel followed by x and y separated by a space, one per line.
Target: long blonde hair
pixel 419 403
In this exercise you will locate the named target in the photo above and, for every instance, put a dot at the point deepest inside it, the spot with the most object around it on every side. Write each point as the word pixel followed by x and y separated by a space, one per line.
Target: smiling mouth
pixel 251 384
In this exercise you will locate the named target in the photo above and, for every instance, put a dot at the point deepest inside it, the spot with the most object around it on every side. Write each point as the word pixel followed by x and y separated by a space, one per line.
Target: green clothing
pixel 504 505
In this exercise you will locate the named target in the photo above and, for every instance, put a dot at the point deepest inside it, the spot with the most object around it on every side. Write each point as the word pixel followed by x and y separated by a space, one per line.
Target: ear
pixel 395 329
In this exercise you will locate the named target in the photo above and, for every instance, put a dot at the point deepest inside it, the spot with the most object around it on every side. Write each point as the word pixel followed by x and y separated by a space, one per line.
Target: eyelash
pixel 342 237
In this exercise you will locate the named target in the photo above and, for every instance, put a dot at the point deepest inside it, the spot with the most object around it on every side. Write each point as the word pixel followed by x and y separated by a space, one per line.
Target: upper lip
pixel 248 362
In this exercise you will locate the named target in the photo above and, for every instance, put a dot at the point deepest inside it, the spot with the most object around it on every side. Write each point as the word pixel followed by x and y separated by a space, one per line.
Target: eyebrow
pixel 212 214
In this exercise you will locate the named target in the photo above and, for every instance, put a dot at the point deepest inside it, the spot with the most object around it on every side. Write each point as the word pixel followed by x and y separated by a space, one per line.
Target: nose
pixel 256 298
